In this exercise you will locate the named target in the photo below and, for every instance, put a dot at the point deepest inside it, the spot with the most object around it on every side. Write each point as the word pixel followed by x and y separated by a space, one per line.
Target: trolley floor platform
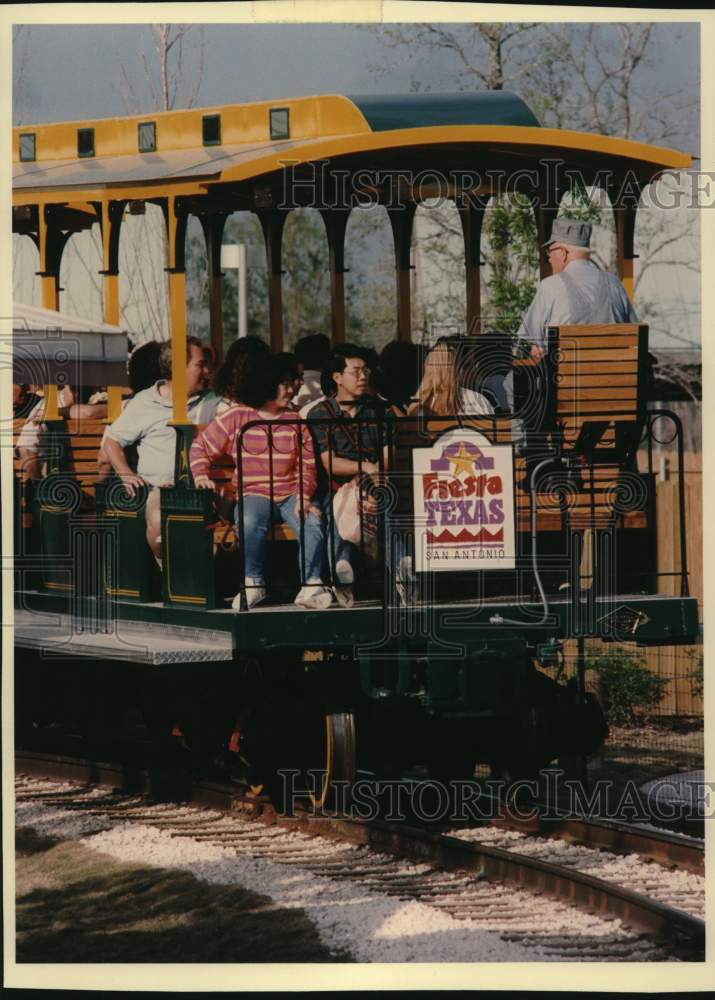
pixel 155 633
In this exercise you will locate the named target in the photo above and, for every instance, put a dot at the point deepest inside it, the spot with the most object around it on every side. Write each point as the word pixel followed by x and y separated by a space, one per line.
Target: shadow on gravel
pixel 76 905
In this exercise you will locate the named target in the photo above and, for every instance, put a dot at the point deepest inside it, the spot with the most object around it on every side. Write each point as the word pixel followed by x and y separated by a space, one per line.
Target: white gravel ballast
pixel 682 889
pixel 370 926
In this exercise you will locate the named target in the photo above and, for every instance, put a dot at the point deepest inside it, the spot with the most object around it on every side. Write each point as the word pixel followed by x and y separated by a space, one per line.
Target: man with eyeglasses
pixel 350 439
pixel 576 291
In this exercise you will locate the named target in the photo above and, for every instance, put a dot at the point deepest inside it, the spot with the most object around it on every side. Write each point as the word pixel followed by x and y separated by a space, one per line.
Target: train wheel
pixel 518 778
pixel 448 764
pixel 332 758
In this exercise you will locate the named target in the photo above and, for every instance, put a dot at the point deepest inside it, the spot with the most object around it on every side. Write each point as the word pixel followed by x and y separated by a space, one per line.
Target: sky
pixel 65 72
pixel 75 71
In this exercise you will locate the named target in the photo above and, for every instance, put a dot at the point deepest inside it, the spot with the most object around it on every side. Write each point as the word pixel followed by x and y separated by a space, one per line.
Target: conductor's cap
pixel 576 234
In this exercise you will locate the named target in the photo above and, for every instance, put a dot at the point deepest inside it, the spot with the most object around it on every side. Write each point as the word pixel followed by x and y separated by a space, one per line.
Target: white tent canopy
pixel 49 346
pixel 28 317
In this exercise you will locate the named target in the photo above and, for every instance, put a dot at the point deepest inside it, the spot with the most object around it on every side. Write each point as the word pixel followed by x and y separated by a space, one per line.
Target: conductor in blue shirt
pixel 576 291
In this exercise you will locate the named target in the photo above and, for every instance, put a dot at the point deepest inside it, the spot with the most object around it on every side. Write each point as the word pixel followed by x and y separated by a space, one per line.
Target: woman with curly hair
pixel 278 476
pixel 240 358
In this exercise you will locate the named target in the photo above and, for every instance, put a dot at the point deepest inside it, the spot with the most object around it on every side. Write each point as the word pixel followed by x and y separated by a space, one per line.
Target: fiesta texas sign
pixel 463 504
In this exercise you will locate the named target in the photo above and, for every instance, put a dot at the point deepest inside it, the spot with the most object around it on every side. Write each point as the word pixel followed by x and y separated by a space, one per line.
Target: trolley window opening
pixel 280 123
pixel 147 137
pixel 28 147
pixel 85 142
pixel 211 130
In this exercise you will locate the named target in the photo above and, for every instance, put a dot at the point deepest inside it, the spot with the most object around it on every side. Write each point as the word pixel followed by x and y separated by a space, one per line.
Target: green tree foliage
pixel 510 231
pixel 696 674
pixel 370 291
pixel 239 229
pixel 587 77
pixel 370 318
pixel 628 688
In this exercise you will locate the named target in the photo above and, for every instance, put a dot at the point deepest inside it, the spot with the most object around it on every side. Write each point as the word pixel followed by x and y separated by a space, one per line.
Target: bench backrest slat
pixel 599 373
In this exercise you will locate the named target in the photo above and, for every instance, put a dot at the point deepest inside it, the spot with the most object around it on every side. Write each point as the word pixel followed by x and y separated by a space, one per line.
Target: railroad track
pixel 514 881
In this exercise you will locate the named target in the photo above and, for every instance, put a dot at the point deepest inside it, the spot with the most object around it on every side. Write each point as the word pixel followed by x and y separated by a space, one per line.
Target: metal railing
pixel 369 490
pixel 384 512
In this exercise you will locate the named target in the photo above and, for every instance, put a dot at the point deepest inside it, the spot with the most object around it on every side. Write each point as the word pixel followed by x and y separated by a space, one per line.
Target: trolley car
pixel 453 674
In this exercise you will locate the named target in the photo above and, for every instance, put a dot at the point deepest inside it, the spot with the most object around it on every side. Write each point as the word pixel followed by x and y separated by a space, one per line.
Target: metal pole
pixel 242 294
pixel 234 257
pixel 581 668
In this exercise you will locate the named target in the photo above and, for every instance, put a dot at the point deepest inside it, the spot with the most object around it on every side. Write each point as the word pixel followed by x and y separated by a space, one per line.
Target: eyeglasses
pixel 356 372
pixel 551 250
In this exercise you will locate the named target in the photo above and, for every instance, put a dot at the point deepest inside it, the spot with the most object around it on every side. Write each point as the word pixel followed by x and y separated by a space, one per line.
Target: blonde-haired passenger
pixel 442 391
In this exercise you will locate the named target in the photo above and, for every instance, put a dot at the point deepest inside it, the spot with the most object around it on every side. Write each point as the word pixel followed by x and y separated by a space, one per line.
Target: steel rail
pixel 494 864
pixel 564 884
pixel 665 848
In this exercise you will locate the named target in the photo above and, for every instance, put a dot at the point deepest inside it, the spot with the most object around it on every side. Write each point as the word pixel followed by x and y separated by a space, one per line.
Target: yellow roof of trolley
pixel 197 148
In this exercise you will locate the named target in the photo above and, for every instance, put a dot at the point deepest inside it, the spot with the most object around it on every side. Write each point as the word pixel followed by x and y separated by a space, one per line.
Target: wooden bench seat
pixel 221 473
pixel 80 441
pixel 594 504
pixel 85 440
pixel 599 373
pixel 597 504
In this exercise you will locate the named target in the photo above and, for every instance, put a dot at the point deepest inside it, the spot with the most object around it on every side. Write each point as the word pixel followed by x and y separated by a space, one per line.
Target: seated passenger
pixel 576 291
pixel 291 364
pixel 277 484
pixel 399 373
pixel 494 358
pixel 443 392
pixel 243 353
pixel 31 444
pixel 142 371
pixel 346 447
pixel 311 352
pixel 24 403
pixel 145 422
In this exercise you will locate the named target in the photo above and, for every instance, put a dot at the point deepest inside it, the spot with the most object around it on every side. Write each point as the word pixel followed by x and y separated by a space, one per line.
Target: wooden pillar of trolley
pixel 110 215
pixel 624 213
pixel 272 222
pixel 336 223
pixel 51 242
pixel 213 226
pixel 401 220
pixel 471 215
pixel 176 233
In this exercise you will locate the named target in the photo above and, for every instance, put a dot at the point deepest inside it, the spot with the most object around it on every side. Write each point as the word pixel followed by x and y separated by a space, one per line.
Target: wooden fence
pixel 676 663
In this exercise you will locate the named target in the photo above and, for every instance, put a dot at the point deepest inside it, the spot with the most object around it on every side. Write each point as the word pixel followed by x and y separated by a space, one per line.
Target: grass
pixel 77 905
pixel 650 749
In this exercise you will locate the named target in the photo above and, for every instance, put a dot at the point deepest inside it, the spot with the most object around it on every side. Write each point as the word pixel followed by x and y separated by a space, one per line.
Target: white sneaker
pixel 255 593
pixel 344 589
pixel 314 596
pixel 405 568
pixel 344 596
pixel 344 572
pixel 406 583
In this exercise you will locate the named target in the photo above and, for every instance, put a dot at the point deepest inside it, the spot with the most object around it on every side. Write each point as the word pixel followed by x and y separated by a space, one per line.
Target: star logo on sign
pixel 462 461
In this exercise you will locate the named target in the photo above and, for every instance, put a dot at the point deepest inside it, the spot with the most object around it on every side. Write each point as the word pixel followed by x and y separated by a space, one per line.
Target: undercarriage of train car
pixel 485 544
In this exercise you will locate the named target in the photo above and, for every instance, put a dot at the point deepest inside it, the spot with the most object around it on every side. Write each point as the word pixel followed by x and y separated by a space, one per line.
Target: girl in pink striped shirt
pixel 277 481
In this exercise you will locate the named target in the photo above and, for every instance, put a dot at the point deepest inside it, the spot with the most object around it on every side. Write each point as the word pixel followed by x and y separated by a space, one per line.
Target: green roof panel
pixel 490 107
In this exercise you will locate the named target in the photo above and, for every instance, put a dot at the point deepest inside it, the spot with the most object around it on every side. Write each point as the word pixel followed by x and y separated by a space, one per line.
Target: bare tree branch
pixel 20 51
